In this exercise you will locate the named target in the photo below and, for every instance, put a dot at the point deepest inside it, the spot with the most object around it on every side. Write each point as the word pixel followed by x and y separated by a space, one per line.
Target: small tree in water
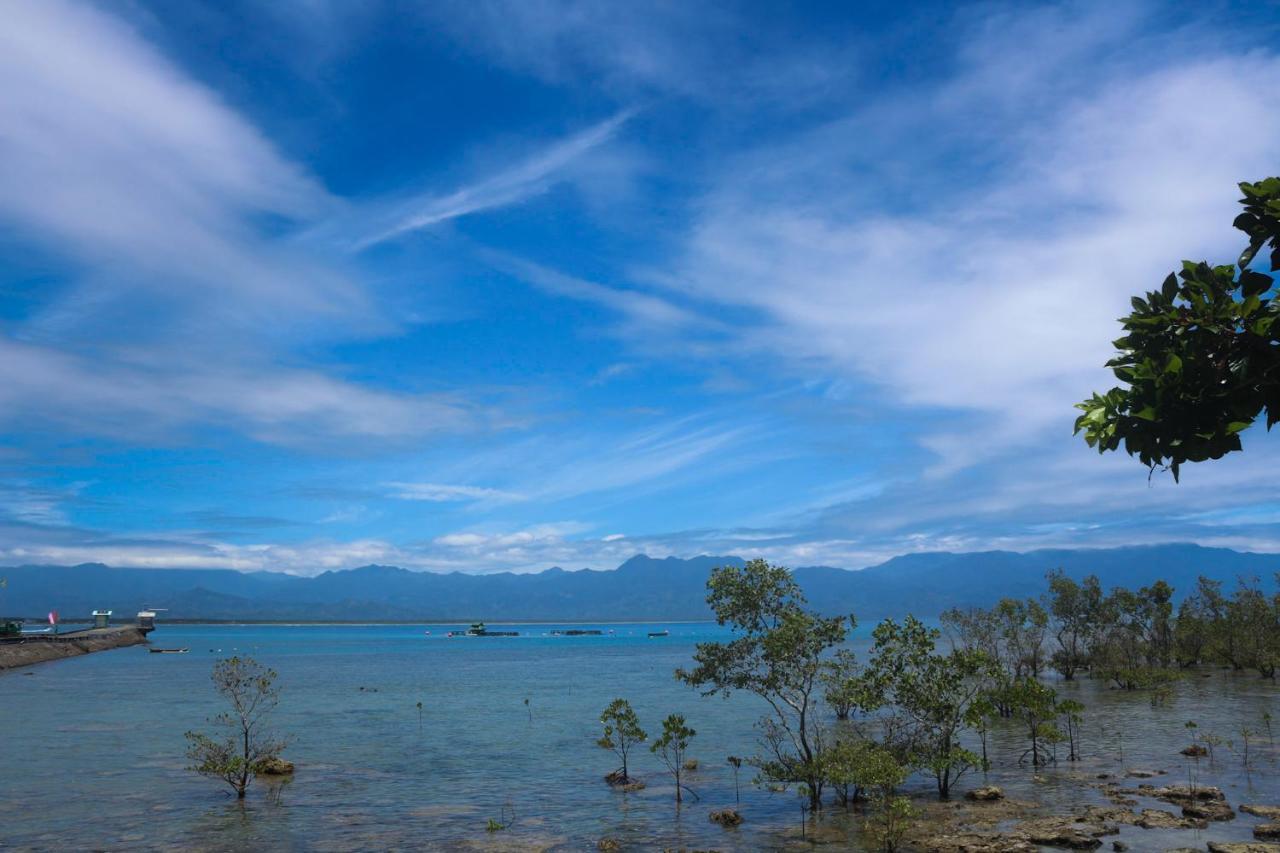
pixel 737 765
pixel 621 734
pixel 879 773
pixel 1037 705
pixel 779 652
pixel 672 746
pixel 245 744
pixel 1073 715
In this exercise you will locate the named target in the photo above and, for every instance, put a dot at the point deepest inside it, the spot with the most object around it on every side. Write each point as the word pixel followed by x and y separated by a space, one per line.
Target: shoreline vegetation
pixel 842 733
pixel 43 648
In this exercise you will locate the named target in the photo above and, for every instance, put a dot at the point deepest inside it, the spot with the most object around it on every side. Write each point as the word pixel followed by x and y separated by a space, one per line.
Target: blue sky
pixel 483 286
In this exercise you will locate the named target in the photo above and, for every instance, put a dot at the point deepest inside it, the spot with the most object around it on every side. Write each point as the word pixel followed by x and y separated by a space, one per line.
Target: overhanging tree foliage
pixel 1200 356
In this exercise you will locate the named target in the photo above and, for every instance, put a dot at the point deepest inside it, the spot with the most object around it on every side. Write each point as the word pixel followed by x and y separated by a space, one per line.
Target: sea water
pixel 92 748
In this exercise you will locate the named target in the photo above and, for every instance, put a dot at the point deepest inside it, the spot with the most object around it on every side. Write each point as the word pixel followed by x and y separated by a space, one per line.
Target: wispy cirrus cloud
pixel 189 288
pixel 116 158
pixel 531 177
pixel 445 493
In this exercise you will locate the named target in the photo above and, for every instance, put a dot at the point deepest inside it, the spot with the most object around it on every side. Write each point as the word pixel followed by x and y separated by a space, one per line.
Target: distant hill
pixel 641 588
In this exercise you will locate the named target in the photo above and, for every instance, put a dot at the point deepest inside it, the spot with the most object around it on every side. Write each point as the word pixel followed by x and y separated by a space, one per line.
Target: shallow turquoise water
pixel 93 746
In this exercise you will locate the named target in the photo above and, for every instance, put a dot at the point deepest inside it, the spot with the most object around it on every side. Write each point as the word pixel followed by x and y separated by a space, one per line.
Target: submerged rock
pixel 1141 774
pixel 726 817
pixel 985 793
pixel 1195 751
pixel 609 845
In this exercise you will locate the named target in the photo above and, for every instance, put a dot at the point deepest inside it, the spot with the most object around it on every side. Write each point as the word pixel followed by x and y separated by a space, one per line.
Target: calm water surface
pixel 92 747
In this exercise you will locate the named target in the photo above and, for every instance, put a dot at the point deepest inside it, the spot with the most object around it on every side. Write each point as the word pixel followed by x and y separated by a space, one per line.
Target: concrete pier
pixel 38 648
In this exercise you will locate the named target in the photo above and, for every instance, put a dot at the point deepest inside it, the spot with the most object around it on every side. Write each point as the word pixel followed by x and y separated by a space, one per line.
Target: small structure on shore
pixel 146 621
pixel 102 618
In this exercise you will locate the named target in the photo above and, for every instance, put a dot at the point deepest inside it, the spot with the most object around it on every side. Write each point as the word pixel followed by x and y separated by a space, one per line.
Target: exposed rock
pixel 1065 832
pixel 1106 814
pixel 973 842
pixel 274 767
pixel 1267 831
pixel 1158 819
pixel 618 780
pixel 1243 847
pixel 1183 793
pixel 1195 751
pixel 1141 774
pixel 1209 810
pixel 1119 845
pixel 985 793
pixel 608 845
pixel 726 817
pixel 1268 812
pixel 690 765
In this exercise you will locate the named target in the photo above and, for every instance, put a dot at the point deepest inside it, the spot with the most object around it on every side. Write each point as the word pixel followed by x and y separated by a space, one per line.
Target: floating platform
pixel 168 651
pixel 659 633
pixel 578 632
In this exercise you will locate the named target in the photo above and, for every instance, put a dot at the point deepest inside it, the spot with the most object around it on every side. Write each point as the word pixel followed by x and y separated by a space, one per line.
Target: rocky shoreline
pixel 990 824
pixel 39 650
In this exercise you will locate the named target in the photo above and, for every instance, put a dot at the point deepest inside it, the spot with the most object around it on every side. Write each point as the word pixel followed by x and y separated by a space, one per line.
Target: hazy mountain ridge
pixel 641 588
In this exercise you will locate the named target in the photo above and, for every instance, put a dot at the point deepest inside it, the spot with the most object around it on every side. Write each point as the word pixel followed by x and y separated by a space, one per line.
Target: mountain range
pixel 642 588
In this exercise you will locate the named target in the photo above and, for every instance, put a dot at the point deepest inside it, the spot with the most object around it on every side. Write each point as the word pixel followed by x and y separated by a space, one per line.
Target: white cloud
pixel 183 309
pixel 995 293
pixel 699 51
pixel 45 385
pixel 114 157
pixel 443 493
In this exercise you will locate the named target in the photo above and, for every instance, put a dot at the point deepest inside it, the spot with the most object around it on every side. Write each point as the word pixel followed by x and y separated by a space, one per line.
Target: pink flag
pixel 53 617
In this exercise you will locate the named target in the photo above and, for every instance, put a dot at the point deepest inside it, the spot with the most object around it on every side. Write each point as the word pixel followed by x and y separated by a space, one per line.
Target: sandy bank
pixel 31 651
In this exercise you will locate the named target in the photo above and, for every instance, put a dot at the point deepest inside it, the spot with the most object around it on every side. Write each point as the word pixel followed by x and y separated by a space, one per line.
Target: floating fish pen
pixel 659 633
pixel 578 632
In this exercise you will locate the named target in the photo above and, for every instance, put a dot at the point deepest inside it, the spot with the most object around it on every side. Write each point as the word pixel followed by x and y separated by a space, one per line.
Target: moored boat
pixel 478 629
